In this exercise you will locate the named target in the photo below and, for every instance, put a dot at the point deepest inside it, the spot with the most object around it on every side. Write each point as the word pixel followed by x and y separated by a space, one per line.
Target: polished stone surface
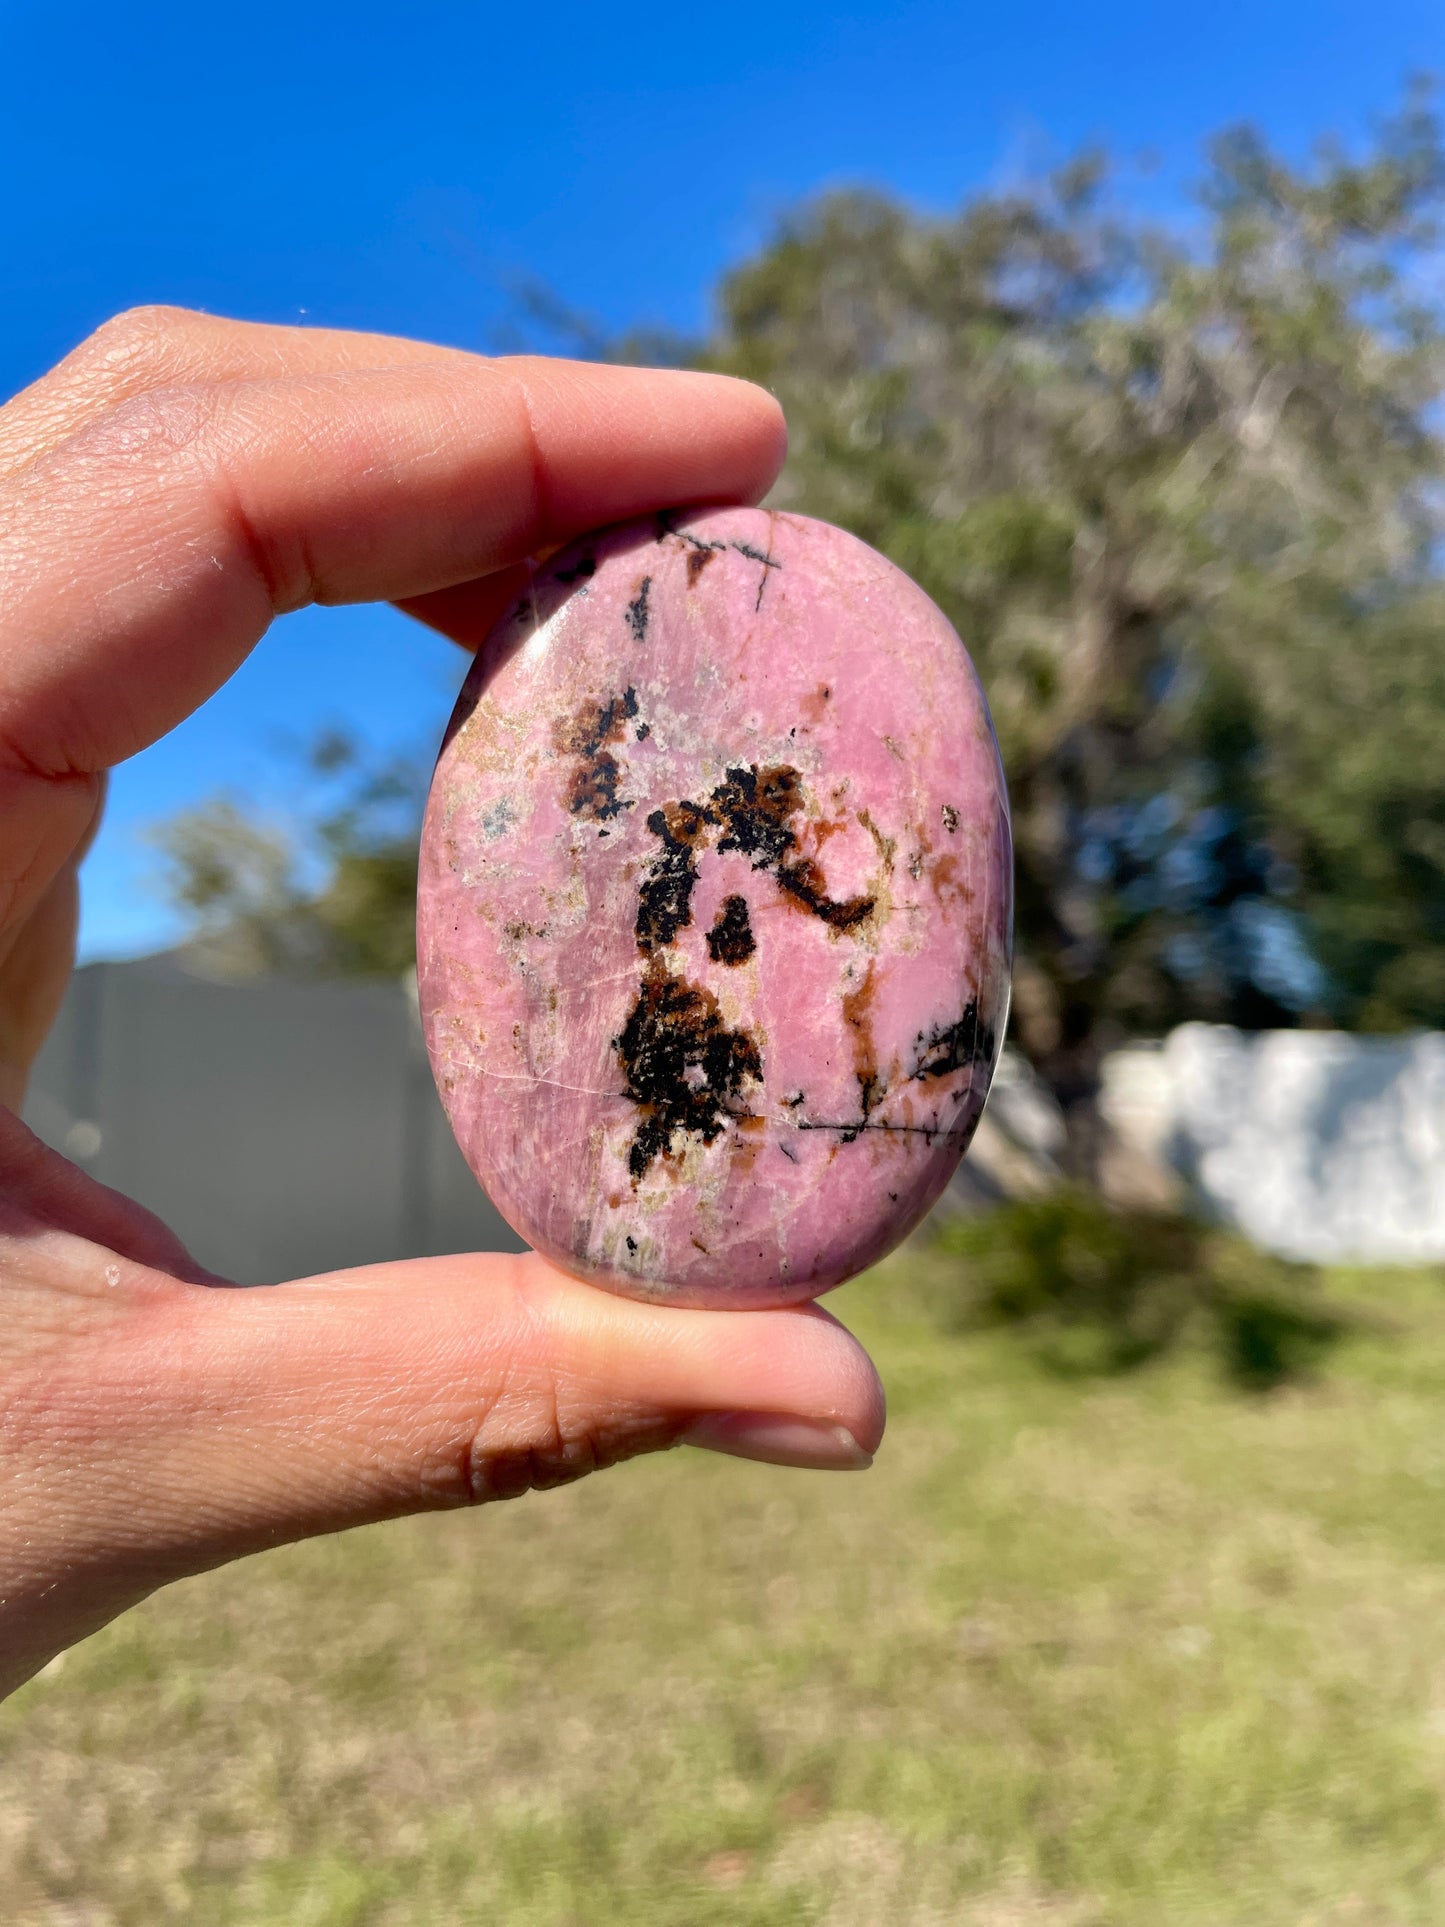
pixel 713 935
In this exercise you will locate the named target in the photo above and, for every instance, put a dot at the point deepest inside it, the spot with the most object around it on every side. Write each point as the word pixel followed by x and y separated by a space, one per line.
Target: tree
pixel 335 896
pixel 1181 496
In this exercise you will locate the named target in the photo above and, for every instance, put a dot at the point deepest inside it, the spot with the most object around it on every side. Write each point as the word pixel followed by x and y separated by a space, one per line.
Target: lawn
pixel 1080 1650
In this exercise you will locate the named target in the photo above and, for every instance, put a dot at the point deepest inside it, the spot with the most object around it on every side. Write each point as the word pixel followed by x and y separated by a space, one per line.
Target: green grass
pixel 1134 1649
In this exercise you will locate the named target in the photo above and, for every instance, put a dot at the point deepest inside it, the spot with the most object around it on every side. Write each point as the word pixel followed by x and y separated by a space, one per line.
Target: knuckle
pixel 137 338
pixel 163 421
pixel 194 433
pixel 510 1475
pixel 549 1454
pixel 136 351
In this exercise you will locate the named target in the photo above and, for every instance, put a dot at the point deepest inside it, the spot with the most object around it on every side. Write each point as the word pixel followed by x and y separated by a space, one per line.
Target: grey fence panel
pixel 279 1128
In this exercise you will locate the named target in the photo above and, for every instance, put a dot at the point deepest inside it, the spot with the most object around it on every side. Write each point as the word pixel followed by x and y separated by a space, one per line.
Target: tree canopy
pixel 1181 496
pixel 335 898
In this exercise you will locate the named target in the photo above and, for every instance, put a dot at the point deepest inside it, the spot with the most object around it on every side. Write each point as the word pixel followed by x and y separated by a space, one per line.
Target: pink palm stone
pixel 715 908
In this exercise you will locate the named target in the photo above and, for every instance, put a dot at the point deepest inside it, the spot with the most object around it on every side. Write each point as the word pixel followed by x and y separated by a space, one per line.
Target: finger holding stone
pixel 149 348
pixel 144 558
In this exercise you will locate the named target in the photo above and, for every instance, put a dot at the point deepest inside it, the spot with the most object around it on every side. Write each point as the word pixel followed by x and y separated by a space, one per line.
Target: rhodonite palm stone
pixel 714 923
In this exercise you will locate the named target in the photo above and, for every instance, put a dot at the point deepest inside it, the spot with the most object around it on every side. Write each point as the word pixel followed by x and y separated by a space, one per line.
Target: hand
pixel 164 492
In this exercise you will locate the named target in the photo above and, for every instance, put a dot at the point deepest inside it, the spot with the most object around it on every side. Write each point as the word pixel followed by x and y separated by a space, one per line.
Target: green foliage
pixel 331 894
pixel 1103 1291
pixel 1180 494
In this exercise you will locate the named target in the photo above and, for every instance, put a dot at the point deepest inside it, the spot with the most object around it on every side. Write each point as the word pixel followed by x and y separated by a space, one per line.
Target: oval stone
pixel 714 922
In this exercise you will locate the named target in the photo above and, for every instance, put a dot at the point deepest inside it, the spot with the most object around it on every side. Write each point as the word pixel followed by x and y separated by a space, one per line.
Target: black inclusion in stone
pixel 664 900
pixel 955 1047
pixel 754 806
pixel 637 610
pixel 749 813
pixel 731 940
pixel 597 774
pixel 683 1067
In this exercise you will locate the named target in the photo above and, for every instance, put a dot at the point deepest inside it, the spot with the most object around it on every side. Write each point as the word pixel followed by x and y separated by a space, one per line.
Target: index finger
pixel 143 557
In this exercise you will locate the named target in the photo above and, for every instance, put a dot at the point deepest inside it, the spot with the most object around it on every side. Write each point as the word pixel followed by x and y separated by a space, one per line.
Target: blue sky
pixel 407 168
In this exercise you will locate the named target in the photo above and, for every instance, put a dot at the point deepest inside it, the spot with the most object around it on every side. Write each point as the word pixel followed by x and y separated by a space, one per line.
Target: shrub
pixel 1097 1290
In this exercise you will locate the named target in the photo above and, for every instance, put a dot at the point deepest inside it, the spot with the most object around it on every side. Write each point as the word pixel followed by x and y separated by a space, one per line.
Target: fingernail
pixel 776 1439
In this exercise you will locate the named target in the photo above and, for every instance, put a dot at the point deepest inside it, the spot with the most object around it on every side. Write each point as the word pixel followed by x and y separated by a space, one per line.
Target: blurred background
pixel 1123 331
